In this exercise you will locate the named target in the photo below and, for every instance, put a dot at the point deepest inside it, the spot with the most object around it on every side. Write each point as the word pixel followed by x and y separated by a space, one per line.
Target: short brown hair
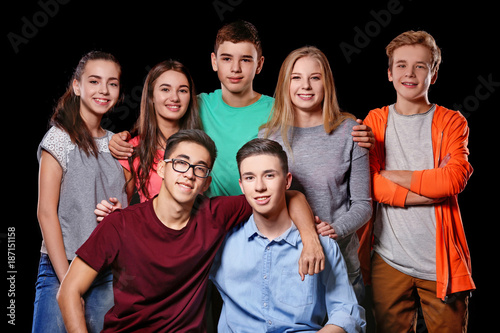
pixel 412 38
pixel 262 147
pixel 237 32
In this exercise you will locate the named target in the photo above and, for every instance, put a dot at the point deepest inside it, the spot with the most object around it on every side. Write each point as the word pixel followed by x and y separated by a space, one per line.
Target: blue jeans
pixel 47 316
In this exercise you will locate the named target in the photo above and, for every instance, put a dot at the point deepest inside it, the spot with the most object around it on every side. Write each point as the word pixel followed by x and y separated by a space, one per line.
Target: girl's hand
pixel 325 228
pixel 105 208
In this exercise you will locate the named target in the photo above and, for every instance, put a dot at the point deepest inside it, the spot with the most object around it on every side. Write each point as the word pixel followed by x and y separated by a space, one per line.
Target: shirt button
pixel 269 322
pixel 265 276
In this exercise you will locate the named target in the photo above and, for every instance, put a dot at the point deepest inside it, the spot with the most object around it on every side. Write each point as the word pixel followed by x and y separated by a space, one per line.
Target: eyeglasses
pixel 182 166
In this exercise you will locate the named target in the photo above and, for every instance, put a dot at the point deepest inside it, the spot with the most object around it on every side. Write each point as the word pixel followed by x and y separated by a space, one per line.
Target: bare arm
pixel 331 329
pixel 312 259
pixel 119 146
pixel 49 184
pixel 75 284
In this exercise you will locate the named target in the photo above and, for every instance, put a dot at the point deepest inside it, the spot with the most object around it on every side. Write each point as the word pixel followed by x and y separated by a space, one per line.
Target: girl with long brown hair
pixel 168 104
pixel 76 170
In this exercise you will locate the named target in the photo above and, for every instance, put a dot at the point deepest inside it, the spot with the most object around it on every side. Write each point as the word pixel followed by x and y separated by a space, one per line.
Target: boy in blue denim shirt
pixel 256 268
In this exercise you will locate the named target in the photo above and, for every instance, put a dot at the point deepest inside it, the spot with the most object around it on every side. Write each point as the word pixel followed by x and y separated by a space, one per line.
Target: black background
pixel 43 41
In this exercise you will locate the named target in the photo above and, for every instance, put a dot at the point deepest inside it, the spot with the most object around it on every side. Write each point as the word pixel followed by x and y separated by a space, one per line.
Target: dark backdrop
pixel 43 41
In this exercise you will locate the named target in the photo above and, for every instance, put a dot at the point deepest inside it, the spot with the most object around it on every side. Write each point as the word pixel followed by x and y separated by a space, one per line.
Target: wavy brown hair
pixel 66 114
pixel 151 137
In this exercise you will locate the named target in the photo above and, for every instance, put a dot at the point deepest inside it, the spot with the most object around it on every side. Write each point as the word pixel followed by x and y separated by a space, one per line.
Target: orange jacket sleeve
pixel 450 137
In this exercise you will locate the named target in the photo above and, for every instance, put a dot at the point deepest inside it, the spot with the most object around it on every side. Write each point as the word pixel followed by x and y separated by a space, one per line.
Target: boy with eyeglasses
pixel 161 251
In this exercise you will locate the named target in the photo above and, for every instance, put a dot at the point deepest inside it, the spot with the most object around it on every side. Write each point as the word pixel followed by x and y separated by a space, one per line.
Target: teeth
pixel 101 100
pixel 261 198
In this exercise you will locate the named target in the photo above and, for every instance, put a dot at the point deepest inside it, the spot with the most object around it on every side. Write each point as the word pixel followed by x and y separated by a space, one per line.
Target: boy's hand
pixel 119 147
pixel 105 208
pixel 325 228
pixel 363 135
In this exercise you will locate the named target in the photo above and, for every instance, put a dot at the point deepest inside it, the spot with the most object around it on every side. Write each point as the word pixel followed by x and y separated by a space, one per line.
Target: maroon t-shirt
pixel 160 274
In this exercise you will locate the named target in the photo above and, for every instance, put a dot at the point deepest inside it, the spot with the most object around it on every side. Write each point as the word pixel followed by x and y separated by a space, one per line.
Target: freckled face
pixel 411 72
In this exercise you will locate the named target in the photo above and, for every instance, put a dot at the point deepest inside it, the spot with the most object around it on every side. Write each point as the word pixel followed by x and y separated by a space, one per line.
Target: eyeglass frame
pixel 173 160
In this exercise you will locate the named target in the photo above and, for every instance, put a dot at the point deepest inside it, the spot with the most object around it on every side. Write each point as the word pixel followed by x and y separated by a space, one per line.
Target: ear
pixel 389 74
pixel 260 64
pixel 288 180
pixel 434 77
pixel 208 181
pixel 76 87
pixel 241 186
pixel 213 56
pixel 160 169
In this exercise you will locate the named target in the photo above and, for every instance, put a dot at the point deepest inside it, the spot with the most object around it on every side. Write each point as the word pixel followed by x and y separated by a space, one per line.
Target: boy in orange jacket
pixel 418 166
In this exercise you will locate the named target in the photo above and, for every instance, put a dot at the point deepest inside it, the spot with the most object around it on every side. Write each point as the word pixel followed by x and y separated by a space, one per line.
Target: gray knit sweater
pixel 333 172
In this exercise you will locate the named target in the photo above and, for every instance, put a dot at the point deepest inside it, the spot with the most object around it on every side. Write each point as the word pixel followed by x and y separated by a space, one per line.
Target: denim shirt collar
pixel 290 236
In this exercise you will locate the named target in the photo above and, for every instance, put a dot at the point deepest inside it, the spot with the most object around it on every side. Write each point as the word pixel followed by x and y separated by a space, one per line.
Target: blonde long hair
pixel 282 114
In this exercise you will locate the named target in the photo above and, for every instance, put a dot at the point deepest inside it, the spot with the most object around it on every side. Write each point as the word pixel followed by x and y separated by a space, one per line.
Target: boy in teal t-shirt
pixel 232 115
pixel 230 128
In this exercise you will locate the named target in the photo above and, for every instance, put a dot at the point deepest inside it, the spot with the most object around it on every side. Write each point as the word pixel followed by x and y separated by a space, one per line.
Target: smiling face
pixel 184 187
pixel 236 65
pixel 306 86
pixel 263 182
pixel 98 88
pixel 171 96
pixel 411 73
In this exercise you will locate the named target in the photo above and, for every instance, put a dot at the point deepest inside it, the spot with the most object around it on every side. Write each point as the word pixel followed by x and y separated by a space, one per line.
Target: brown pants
pixel 395 301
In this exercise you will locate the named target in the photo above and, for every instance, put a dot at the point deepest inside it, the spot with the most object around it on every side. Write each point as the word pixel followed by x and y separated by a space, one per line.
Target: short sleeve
pixel 103 245
pixel 58 143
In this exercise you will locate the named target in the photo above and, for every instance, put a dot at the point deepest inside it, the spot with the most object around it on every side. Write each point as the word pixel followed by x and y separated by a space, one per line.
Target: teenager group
pixel 235 186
